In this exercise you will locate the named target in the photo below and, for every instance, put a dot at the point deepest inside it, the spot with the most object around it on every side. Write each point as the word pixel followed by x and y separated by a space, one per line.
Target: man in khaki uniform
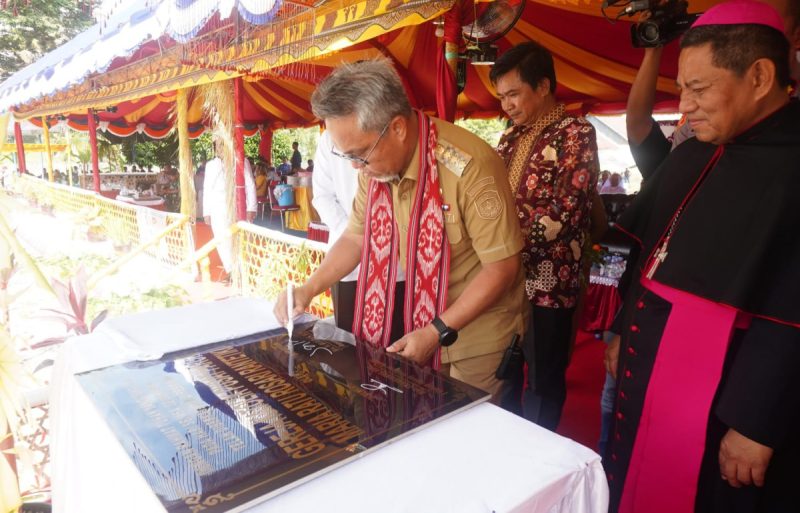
pixel 372 125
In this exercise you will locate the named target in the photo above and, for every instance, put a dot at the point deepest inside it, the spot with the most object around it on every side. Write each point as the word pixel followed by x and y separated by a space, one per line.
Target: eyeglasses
pixel 364 162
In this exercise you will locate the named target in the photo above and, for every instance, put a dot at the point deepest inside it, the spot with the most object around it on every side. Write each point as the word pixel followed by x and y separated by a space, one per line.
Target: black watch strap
pixel 447 335
pixel 440 326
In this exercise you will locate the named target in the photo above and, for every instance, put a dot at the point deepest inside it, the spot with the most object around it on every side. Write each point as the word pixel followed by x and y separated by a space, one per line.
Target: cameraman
pixel 648 145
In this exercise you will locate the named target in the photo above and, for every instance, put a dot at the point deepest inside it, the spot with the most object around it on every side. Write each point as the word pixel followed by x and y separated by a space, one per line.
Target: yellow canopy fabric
pixel 312 33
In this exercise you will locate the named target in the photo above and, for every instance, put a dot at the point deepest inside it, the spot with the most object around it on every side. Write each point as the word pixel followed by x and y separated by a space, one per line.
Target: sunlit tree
pixel 31 28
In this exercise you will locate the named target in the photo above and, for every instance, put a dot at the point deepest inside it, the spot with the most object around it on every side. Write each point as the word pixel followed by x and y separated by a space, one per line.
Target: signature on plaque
pixel 311 347
pixel 376 386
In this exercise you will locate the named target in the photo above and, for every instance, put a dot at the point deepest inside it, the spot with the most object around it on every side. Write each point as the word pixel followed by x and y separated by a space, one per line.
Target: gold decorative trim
pixel 303 38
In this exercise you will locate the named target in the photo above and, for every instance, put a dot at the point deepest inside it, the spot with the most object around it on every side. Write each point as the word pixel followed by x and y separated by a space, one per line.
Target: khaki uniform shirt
pixel 481 227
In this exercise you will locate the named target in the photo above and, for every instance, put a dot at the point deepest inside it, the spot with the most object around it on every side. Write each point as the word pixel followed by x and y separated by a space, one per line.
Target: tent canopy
pixel 284 58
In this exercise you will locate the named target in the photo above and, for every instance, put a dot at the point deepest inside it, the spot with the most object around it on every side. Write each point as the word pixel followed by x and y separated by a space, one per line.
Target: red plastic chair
pixel 261 205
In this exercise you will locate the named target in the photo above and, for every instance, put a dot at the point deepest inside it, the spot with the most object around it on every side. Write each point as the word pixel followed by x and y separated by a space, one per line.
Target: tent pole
pixel 185 166
pixel 265 146
pixel 446 63
pixel 20 148
pixel 69 155
pixel 238 140
pixel 93 147
pixel 46 132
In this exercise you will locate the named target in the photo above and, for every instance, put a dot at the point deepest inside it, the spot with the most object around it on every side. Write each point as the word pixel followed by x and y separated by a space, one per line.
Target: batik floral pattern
pixel 553 204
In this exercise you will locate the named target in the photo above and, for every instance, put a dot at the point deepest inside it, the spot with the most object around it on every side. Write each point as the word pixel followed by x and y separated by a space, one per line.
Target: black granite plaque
pixel 229 425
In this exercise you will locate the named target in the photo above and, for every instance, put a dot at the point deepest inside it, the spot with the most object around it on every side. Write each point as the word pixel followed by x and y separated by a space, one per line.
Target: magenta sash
pixel 665 464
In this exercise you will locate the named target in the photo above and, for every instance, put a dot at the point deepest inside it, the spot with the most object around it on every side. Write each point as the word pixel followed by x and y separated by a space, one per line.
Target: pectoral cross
pixel 658 259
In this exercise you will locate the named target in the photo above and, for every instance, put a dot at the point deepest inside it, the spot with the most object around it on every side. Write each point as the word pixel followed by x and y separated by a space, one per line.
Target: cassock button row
pixel 623 395
pixel 632 351
pixel 611 477
pixel 620 416
pixel 628 374
pixel 640 305
pixel 617 436
pixel 634 328
pixel 614 456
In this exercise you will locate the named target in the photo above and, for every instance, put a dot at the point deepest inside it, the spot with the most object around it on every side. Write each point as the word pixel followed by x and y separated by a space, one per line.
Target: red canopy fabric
pixel 595 66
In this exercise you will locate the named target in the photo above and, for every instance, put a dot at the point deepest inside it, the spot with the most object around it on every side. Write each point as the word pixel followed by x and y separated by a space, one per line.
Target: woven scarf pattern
pixel 428 259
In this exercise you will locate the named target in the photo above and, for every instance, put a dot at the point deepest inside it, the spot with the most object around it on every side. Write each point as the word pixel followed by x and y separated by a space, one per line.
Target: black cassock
pixel 732 214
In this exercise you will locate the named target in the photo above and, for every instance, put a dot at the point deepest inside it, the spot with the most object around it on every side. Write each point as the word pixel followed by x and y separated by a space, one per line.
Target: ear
pixel 399 127
pixel 543 89
pixel 761 76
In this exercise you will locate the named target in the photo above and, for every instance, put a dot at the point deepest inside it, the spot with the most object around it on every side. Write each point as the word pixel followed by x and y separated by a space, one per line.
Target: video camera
pixel 667 21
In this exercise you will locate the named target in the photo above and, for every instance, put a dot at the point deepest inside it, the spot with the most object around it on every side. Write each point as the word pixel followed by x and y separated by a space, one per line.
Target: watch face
pixel 448 338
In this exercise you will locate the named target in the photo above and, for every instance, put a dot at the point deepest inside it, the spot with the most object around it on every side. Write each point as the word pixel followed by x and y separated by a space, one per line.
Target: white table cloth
pixel 481 460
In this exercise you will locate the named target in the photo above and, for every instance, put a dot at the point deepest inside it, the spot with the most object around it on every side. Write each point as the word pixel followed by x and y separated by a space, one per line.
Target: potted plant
pixel 95 230
pixel 46 205
pixel 12 414
pixel 115 229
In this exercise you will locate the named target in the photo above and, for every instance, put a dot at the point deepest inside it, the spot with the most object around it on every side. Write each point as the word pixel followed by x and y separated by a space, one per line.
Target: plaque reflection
pixel 244 420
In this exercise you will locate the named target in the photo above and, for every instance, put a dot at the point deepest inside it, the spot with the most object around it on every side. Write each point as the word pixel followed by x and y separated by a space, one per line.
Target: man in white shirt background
pixel 218 203
pixel 335 183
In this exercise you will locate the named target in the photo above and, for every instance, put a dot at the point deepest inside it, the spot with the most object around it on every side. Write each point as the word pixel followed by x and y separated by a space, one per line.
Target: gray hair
pixel 372 90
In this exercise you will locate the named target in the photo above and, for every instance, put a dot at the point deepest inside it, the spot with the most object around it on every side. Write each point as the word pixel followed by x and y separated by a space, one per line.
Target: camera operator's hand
pixel 642 97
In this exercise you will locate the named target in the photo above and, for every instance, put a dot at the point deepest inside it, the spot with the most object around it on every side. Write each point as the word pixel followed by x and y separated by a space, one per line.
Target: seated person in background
pixel 601 181
pixel 284 169
pixel 310 167
pixel 163 179
pixel 261 181
pixel 613 185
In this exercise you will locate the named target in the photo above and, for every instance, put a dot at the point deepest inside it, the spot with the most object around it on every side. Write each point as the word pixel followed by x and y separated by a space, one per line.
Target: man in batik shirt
pixel 551 159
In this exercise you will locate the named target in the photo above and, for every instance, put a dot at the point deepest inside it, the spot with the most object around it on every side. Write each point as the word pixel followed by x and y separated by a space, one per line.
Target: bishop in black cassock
pixel 707 414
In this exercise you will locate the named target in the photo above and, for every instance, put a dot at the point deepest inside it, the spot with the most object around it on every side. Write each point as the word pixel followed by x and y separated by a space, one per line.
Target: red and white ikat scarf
pixel 428 259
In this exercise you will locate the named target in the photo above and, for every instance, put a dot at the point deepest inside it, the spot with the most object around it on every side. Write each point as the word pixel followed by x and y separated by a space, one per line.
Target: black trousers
pixel 344 302
pixel 546 348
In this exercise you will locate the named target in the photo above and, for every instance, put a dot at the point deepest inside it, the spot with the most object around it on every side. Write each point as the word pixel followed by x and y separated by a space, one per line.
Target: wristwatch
pixel 447 335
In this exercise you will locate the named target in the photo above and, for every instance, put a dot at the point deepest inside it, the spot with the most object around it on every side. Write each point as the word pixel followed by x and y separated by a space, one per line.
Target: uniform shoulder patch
pixel 489 205
pixel 479 185
pixel 454 158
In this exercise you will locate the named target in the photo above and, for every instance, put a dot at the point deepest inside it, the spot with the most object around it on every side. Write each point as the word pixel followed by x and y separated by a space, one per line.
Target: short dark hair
pixel 736 47
pixel 532 60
